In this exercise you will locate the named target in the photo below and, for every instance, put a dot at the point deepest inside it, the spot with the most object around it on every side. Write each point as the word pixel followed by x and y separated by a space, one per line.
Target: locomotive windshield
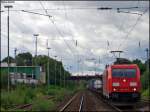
pixel 130 73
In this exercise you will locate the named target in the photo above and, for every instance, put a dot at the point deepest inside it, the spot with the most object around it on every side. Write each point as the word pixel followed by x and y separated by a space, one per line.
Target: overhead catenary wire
pixel 127 35
pixel 66 9
pixel 35 13
pixel 58 30
pixel 121 26
pixel 77 8
pixel 66 16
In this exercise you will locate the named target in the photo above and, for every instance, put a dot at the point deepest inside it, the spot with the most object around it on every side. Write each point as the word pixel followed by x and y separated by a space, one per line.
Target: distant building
pixel 4 64
pixel 25 74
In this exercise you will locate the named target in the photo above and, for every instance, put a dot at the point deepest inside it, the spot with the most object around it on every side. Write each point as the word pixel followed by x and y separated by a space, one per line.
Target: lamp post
pixel 8 61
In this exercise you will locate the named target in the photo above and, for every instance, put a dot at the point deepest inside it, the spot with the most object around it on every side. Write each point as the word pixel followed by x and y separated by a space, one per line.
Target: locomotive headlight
pixel 114 89
pixel 134 89
pixel 115 84
pixel 133 84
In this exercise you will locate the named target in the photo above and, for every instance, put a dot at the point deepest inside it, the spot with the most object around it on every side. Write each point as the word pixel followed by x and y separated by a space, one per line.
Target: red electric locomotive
pixel 122 81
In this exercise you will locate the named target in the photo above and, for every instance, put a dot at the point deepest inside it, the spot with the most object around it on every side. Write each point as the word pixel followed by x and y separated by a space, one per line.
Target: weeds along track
pixel 29 105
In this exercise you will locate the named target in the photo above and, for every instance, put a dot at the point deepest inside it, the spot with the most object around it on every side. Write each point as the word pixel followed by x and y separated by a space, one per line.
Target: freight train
pixel 95 85
pixel 120 82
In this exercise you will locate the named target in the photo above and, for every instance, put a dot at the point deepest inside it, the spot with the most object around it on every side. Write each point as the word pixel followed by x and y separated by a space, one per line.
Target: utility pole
pixel 15 50
pixel 64 76
pixel 66 81
pixel 77 57
pixel 8 61
pixel 95 66
pixel 147 52
pixel 60 71
pixel 78 61
pixel 35 35
pixel 48 78
pixel 55 69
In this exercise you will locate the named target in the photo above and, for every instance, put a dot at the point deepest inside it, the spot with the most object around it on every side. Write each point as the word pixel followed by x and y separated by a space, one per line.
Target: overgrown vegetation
pixel 24 94
pixel 4 78
pixel 146 94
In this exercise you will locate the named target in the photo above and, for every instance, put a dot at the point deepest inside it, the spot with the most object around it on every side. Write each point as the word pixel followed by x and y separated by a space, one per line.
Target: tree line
pixel 56 69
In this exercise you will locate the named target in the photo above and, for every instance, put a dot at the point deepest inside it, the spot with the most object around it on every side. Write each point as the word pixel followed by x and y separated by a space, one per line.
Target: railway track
pixel 140 106
pixel 106 102
pixel 78 107
pixel 81 104
pixel 87 101
pixel 23 106
pixel 145 101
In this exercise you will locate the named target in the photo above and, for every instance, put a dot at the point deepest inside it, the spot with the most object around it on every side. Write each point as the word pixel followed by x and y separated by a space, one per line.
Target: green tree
pixel 145 80
pixel 11 59
pixel 23 59
pixel 42 60
pixel 140 64
pixel 122 61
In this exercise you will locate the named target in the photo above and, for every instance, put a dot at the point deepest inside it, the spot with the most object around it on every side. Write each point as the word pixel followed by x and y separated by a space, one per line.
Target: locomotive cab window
pixel 129 73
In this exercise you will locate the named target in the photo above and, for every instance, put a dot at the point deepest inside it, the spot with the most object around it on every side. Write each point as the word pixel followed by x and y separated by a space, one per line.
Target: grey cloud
pixel 91 28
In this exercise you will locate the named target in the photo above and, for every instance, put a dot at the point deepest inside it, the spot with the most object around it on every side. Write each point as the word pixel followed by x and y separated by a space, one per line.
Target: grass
pixel 146 94
pixel 40 104
pixel 24 94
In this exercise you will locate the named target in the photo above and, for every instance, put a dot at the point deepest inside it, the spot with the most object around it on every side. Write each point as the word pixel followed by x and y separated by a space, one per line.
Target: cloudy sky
pixel 96 32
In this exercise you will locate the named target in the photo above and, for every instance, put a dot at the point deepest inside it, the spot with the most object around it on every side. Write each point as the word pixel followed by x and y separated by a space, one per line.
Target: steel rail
pixel 68 103
pixel 81 104
pixel 144 100
pixel 105 101
pixel 22 106
pixel 113 106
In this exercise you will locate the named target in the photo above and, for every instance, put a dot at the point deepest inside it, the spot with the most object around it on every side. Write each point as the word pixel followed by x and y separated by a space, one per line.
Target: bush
pixel 146 94
pixel 11 98
pixel 40 104
pixel 21 95
pixel 145 80
pixel 4 78
pixel 24 94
